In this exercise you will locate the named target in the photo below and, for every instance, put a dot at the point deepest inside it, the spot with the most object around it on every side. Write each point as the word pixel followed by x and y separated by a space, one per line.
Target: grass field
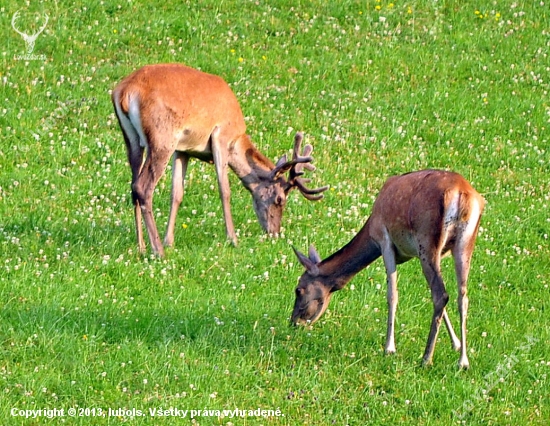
pixel 379 88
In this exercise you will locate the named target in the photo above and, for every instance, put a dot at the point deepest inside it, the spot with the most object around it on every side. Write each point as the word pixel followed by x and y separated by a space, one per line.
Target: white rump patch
pixel 472 221
pixel 135 118
pixel 131 123
pixel 451 214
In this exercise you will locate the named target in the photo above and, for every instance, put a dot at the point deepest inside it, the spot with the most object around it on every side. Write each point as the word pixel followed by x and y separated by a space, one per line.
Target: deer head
pixel 312 295
pixel 269 196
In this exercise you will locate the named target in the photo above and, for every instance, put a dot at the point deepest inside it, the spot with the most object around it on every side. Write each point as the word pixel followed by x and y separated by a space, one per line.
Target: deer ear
pixel 313 255
pixel 281 161
pixel 308 263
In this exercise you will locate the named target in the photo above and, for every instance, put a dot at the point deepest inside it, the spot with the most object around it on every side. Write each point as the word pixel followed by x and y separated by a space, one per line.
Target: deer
pixel 172 110
pixel 426 214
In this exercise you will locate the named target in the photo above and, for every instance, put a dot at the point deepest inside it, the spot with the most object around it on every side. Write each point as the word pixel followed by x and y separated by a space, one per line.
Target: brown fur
pixel 423 214
pixel 177 111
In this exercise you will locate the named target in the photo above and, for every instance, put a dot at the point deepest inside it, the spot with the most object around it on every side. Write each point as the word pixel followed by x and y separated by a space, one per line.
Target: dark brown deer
pixel 171 110
pixel 426 214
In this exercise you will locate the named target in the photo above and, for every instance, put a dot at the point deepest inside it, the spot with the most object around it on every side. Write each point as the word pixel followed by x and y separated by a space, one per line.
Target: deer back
pixel 181 103
pixel 419 208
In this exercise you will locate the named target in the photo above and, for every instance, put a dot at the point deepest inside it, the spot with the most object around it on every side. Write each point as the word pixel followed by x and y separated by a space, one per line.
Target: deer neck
pixel 342 266
pixel 249 164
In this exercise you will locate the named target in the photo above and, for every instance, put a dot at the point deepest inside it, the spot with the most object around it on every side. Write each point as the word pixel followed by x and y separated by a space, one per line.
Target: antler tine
pixel 283 165
pixel 310 194
pixel 14 19
pixel 45 23
pixel 303 161
pixel 297 170
pixel 297 144
pixel 294 166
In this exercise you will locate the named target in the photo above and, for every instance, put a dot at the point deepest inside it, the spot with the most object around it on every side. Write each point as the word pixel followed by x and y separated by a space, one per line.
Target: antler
pixel 45 23
pixel 296 169
pixel 13 20
pixel 25 35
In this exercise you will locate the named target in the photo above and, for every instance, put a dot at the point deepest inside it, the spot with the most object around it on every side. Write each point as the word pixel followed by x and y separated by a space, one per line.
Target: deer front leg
pixel 220 154
pixel 179 168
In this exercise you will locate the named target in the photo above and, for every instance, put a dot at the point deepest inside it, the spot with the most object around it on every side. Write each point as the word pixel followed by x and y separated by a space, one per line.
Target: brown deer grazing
pixel 425 214
pixel 173 110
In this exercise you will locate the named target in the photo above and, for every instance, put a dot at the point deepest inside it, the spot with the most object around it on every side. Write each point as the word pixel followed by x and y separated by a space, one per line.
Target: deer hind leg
pixel 432 272
pixel 462 268
pixel 388 256
pixel 462 254
pixel 136 160
pixel 455 341
pixel 220 156
pixel 135 153
pixel 179 168
pixel 144 188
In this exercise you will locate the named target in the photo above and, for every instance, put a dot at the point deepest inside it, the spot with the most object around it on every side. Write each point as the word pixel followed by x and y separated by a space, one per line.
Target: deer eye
pixel 279 200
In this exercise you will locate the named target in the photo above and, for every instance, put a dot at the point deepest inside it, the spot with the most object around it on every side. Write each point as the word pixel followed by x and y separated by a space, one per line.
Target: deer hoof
pixel 427 362
pixel 390 350
pixel 463 364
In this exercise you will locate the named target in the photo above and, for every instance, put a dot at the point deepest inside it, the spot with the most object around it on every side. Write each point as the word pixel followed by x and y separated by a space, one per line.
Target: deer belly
pixel 195 144
pixel 406 246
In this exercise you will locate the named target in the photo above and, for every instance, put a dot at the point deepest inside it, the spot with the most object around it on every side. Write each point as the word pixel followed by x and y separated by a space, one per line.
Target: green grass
pixel 379 89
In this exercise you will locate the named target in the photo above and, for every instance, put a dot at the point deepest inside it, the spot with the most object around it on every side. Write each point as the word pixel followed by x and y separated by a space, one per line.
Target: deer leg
pixel 135 158
pixel 455 341
pixel 137 218
pixel 220 154
pixel 440 298
pixel 463 310
pixel 144 188
pixel 462 269
pixel 179 169
pixel 138 225
pixel 132 138
pixel 388 256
